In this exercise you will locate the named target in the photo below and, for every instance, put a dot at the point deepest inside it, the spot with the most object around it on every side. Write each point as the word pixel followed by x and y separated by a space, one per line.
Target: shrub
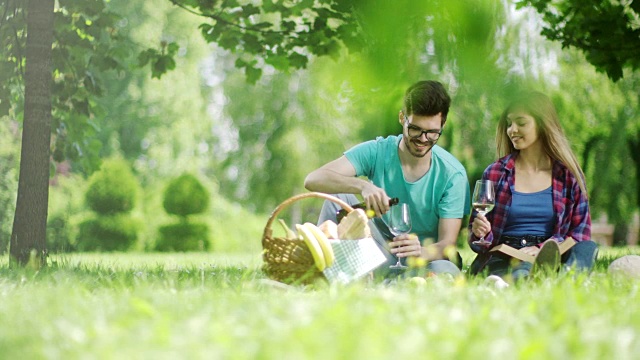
pixel 185 195
pixel 113 189
pixel 183 236
pixel 111 194
pixel 9 165
pixel 108 233
pixel 67 208
pixel 58 234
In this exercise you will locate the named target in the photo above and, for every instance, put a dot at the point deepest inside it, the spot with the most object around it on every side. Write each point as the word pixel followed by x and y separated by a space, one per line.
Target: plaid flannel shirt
pixel 570 205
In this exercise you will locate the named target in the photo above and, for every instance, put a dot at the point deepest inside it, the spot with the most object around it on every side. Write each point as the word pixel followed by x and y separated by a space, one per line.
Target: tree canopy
pixel 278 33
pixel 607 31
pixel 324 75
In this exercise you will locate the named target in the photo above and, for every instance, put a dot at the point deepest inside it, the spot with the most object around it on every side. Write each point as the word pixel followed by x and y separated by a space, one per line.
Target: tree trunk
pixel 30 221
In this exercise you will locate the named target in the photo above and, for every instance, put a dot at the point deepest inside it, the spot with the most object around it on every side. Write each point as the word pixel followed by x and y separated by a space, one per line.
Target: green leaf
pixel 145 56
pixel 250 9
pixel 229 40
pixel 251 43
pixel 229 4
pixel 172 48
pixel 253 74
pixel 211 33
pixel 343 7
pixel 269 6
pixel 207 5
pixel 279 62
pixel 288 26
pixel 301 6
pixel 162 65
pixel 297 60
pixel 240 63
pixel 319 23
pixel 273 40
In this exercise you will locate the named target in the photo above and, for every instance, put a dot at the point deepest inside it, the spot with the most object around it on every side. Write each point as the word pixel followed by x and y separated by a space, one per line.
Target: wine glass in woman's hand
pixel 399 223
pixel 483 202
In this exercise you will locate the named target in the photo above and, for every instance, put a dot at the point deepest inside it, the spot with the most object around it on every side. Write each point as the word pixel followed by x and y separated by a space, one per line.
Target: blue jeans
pixel 381 234
pixel 581 257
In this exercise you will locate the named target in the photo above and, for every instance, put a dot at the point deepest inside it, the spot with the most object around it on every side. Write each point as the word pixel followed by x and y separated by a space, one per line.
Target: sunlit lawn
pixel 210 306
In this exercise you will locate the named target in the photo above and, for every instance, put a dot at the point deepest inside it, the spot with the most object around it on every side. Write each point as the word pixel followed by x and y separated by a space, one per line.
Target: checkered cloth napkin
pixel 354 259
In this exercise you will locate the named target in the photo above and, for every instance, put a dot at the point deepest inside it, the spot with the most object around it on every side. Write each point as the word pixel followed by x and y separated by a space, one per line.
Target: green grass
pixel 211 306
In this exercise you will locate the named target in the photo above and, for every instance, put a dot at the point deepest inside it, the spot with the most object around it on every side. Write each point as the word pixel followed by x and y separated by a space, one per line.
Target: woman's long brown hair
pixel 554 141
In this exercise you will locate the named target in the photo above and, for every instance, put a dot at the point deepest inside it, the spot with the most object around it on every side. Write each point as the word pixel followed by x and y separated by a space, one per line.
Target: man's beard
pixel 415 153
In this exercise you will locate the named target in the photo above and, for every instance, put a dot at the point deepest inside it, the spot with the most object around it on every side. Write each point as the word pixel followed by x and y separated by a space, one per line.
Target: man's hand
pixel 376 199
pixel 405 245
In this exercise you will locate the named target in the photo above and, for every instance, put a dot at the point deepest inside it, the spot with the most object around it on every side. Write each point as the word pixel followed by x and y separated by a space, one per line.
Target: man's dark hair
pixel 427 98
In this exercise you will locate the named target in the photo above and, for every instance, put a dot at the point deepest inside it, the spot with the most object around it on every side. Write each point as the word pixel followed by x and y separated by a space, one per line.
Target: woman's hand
pixel 405 245
pixel 481 226
pixel 531 250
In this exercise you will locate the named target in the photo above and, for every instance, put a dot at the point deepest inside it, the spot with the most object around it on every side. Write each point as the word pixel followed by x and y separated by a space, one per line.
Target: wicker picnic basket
pixel 289 260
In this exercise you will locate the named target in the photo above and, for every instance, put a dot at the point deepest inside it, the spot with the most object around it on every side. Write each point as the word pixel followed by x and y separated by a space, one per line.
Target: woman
pixel 540 192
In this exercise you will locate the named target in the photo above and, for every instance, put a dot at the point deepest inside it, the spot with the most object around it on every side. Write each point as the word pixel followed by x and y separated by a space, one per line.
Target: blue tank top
pixel 530 214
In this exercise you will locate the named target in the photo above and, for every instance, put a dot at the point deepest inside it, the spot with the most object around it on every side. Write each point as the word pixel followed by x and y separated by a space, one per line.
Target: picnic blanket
pixel 354 259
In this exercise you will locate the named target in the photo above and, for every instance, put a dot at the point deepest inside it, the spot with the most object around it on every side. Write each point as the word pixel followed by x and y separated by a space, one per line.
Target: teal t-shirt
pixel 443 192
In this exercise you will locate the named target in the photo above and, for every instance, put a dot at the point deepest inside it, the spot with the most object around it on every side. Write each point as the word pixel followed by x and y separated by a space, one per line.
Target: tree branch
pixel 229 23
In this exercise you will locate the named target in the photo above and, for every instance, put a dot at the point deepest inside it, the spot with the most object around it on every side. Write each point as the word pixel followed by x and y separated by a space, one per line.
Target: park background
pixel 250 125
pixel 146 91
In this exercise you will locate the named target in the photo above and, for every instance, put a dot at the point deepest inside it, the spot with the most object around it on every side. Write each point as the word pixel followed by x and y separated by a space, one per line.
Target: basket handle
pixel 289 201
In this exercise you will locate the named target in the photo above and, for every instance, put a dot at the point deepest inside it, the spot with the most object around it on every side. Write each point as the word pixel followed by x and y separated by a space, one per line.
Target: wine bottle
pixel 363 205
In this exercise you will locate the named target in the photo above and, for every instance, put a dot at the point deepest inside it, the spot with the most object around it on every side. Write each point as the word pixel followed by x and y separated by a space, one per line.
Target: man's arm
pixel 339 176
pixel 448 230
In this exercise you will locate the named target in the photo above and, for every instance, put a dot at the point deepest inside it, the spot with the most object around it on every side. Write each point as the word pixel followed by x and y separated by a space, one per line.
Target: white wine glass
pixel 483 201
pixel 399 223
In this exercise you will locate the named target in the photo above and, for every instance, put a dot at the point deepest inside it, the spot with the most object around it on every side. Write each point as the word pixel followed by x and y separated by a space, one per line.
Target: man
pixel 412 168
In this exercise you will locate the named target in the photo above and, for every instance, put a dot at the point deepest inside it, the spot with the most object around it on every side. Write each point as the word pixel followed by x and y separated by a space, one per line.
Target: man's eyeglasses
pixel 415 132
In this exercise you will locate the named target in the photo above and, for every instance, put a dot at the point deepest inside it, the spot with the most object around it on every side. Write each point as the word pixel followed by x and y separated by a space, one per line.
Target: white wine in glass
pixel 483 201
pixel 399 223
